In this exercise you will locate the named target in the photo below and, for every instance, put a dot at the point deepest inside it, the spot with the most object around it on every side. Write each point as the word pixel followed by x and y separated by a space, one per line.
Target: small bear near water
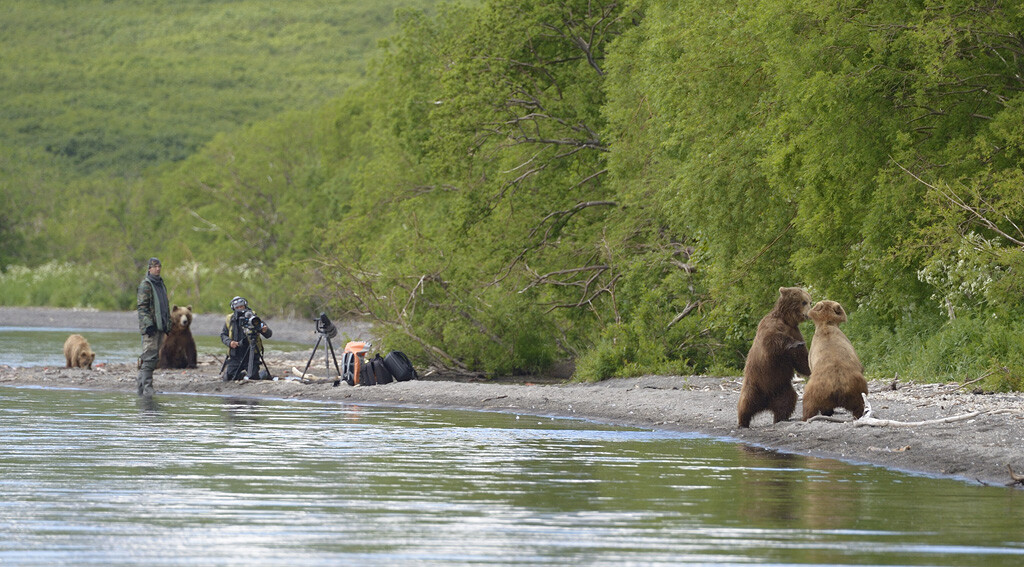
pixel 837 376
pixel 77 352
pixel 179 348
pixel 778 351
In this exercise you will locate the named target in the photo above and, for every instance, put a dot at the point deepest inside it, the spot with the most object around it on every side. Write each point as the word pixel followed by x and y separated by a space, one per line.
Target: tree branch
pixel 960 203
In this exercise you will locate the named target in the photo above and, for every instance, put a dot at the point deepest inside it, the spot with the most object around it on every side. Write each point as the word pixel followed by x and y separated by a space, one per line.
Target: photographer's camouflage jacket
pixel 153 311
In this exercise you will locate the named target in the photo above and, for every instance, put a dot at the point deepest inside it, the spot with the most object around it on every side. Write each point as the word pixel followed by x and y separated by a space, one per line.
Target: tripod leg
pixel 237 374
pixel 327 359
pixel 330 347
pixel 312 354
pixel 336 367
pixel 249 369
pixel 265 367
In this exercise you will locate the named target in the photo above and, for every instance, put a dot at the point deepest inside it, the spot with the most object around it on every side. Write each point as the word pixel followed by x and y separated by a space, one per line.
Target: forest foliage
pixel 624 184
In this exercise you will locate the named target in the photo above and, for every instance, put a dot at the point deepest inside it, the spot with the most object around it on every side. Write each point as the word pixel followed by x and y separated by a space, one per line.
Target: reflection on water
pixel 94 478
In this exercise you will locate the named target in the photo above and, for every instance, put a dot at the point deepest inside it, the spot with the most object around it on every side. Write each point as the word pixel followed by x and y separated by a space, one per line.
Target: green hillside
pixel 119 85
pixel 94 93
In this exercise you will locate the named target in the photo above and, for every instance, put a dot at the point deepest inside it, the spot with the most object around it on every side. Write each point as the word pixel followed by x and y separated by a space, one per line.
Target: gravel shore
pixel 984 436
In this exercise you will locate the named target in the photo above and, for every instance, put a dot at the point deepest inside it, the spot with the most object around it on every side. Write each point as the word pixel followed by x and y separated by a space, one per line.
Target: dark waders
pixel 250 356
pixel 148 361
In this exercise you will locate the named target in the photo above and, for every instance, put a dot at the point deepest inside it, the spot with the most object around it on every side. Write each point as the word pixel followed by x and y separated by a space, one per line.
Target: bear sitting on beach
pixel 77 352
pixel 778 350
pixel 179 348
pixel 837 376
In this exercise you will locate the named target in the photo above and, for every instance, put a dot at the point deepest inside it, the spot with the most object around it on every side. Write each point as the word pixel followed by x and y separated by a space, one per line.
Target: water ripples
pixel 104 479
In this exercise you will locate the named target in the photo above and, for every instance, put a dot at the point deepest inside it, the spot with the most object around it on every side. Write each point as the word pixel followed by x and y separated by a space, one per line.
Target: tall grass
pixel 61 284
pixel 987 351
pixel 206 288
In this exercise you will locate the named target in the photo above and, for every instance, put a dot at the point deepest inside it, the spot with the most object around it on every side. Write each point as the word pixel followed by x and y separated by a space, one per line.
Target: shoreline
pixel 972 449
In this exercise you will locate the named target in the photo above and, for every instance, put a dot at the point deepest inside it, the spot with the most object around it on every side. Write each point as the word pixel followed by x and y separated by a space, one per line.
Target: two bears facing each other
pixel 779 350
pixel 179 348
pixel 77 352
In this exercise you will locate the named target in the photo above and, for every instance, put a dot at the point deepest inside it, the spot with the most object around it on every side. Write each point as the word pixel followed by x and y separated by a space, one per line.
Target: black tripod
pixel 252 353
pixel 327 331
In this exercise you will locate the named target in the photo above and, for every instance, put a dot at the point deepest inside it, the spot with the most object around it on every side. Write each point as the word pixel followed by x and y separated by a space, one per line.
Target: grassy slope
pixel 119 85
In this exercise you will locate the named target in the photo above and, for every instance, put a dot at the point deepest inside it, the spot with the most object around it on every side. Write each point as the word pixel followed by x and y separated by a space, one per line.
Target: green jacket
pixel 152 305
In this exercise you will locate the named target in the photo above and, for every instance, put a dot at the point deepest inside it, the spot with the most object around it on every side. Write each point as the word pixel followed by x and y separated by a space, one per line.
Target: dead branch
pixel 1017 479
pixel 588 178
pixel 547 278
pixel 868 421
pixel 976 380
pixel 686 311
pixel 688 268
pixel 418 287
pixel 874 422
pixel 567 214
pixel 560 220
pixel 435 352
pixel 959 202
pixel 586 35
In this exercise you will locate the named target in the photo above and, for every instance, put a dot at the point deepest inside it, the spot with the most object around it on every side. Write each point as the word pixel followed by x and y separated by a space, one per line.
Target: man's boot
pixel 145 382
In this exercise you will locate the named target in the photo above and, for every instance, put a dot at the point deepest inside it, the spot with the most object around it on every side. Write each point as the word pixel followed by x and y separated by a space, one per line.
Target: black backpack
pixel 376 372
pixel 399 366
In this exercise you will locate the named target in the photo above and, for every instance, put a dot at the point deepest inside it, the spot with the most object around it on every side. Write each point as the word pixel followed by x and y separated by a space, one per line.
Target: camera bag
pixel 366 375
pixel 379 370
pixel 352 362
pixel 349 368
pixel 399 366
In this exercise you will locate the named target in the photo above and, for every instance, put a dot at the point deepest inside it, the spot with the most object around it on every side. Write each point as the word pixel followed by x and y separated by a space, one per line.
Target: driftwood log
pixel 867 420
pixel 1017 478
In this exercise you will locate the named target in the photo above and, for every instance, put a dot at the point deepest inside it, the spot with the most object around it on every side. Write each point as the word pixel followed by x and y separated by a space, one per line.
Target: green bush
pixel 612 356
pixel 60 284
pixel 929 350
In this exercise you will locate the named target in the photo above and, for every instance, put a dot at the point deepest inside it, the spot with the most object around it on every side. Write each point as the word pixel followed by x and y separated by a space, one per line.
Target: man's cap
pixel 154 261
pixel 238 301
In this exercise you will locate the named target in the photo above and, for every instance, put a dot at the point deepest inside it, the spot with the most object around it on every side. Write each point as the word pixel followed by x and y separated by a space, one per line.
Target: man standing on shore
pixel 154 322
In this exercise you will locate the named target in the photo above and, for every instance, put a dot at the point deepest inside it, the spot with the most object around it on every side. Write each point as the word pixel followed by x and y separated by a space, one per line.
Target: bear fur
pixel 179 348
pixel 837 376
pixel 778 350
pixel 77 352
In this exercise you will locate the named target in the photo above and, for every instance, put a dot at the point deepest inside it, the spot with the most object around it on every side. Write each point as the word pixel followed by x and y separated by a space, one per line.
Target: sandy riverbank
pixel 977 448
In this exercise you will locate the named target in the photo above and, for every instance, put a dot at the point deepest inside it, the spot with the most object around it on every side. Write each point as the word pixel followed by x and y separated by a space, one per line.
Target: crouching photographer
pixel 242 334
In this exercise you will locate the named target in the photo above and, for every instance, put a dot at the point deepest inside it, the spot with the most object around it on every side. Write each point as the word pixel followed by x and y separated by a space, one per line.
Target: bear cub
pixel 837 376
pixel 778 350
pixel 77 352
pixel 179 348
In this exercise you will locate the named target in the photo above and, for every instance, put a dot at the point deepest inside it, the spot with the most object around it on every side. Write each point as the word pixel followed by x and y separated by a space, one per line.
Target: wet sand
pixel 986 436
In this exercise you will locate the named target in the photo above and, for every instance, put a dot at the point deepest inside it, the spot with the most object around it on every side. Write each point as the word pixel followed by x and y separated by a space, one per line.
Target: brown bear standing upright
pixel 77 352
pixel 837 376
pixel 179 348
pixel 778 350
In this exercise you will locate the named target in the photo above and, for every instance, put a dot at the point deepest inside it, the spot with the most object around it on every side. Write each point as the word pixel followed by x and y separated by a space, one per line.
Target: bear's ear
pixel 782 290
pixel 175 308
pixel 839 309
pixel 189 307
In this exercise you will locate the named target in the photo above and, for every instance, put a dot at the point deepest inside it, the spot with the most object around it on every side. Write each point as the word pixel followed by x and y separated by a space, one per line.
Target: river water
pixel 35 346
pixel 99 478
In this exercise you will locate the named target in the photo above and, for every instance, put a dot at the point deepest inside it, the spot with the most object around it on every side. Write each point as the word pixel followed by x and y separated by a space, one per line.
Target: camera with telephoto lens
pixel 250 320
pixel 325 326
